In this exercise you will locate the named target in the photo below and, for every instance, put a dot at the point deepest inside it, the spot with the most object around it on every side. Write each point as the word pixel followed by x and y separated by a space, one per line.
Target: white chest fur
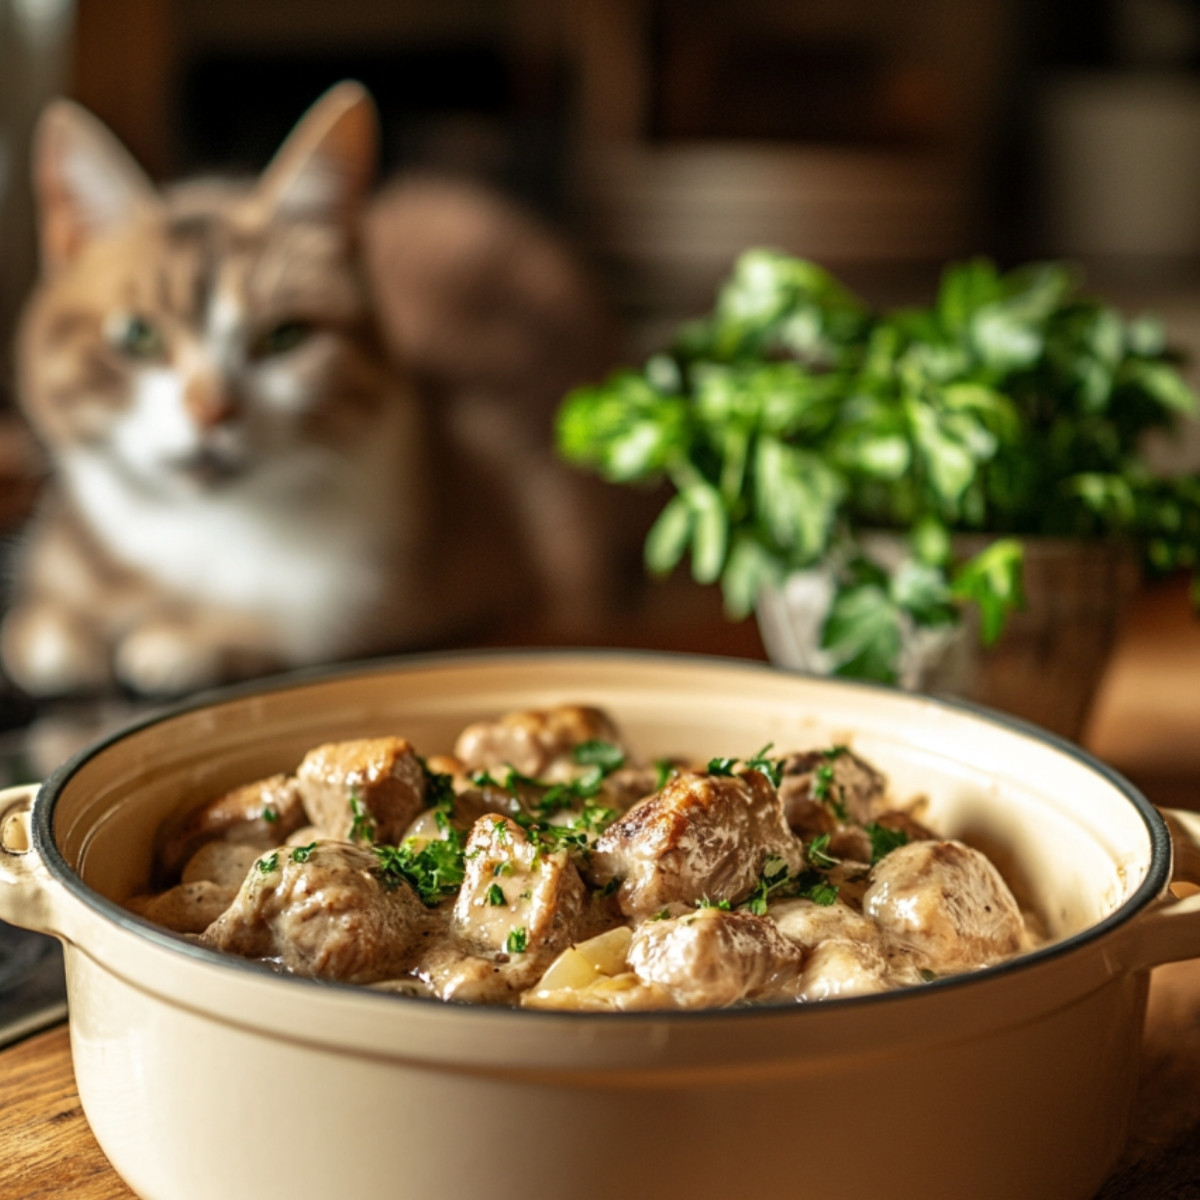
pixel 307 543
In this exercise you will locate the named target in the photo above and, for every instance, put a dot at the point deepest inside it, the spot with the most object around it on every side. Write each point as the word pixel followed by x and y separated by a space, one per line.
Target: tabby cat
pixel 289 422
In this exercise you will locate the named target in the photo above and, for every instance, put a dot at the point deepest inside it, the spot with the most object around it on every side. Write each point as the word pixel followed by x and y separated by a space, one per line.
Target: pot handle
pixel 1170 931
pixel 27 888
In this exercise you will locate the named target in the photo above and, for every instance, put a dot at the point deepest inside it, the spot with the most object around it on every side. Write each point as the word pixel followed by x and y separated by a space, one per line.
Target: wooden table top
pixel 1146 723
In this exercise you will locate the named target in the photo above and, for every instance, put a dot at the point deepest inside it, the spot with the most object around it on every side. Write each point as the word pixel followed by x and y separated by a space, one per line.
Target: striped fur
pixel 289 425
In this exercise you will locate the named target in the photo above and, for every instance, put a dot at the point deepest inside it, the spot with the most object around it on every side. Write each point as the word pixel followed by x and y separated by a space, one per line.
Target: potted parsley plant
pixel 887 488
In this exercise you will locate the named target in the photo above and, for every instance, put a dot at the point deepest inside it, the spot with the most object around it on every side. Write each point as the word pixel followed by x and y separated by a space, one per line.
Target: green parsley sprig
pixel 827 791
pixel 542 799
pixel 774 877
pixel 794 419
pixel 772 768
pixel 817 853
pixel 776 881
pixel 434 870
pixel 439 790
pixel 362 824
pixel 884 840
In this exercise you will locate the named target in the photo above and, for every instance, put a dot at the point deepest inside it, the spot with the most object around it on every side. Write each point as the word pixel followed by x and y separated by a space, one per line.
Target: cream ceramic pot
pixel 209 1077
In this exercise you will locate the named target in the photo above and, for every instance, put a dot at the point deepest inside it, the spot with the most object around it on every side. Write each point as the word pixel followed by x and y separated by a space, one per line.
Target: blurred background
pixel 878 137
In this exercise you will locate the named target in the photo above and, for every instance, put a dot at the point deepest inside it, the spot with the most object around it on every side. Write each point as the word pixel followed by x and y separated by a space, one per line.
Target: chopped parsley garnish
pixel 495 896
pixel 434 870
pixel 812 885
pixel 597 753
pixel 555 799
pixel 721 766
pixel 817 853
pixel 612 885
pixel 663 914
pixel 774 875
pixel 574 835
pixel 772 768
pixel 302 854
pixel 541 800
pixel 809 884
pixel 502 868
pixel 884 840
pixel 823 791
pixel 705 902
pixel 268 864
pixel 362 828
pixel 822 783
pixel 594 818
pixel 550 839
pixel 664 768
pixel 269 814
pixel 834 752
pixel 600 759
pixel 439 789
pixel 518 939
pixel 927 976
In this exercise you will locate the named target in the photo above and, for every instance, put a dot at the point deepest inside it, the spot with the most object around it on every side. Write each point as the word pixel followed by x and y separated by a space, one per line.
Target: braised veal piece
pixel 538 865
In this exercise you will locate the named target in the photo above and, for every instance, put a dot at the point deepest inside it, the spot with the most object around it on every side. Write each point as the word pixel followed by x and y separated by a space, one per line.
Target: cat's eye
pixel 135 337
pixel 279 339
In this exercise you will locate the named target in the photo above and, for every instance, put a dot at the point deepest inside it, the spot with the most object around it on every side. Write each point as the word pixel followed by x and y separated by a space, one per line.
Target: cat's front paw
pixel 166 660
pixel 48 651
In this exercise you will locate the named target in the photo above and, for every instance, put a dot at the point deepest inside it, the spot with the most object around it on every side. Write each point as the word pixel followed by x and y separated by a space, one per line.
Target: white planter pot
pixel 1045 667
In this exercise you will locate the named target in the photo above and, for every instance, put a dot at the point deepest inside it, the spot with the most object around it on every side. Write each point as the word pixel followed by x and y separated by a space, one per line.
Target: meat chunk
pixel 808 924
pixel 187 907
pixel 208 885
pixel 451 973
pixel 627 785
pixel 841 967
pixel 822 789
pixel 368 790
pixel 323 912
pixel 516 899
pixel 537 742
pixel 945 901
pixel 711 958
pixel 226 863
pixel 260 814
pixel 700 836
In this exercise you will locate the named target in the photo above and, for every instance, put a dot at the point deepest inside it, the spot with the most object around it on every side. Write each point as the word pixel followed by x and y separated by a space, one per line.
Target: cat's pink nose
pixel 209 402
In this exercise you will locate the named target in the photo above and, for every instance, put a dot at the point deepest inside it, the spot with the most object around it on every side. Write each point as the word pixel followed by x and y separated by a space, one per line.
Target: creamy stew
pixel 541 865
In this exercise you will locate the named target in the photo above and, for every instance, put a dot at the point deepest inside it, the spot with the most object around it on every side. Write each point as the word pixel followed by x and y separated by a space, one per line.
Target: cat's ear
pixel 86 181
pixel 326 165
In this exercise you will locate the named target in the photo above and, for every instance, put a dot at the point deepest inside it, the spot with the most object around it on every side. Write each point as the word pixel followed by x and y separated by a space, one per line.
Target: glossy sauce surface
pixel 539 864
